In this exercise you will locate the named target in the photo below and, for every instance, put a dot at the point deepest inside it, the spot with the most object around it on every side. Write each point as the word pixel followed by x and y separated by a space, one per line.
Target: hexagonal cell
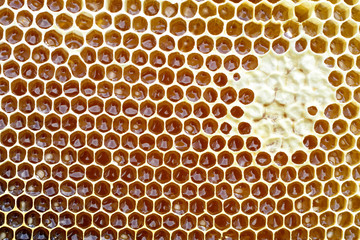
pixel 46 71
pixel 207 9
pixel 35 121
pixel 33 187
pixel 17 121
pixel 302 11
pixel 42 171
pixel 53 39
pixel 131 40
pixel 77 139
pixel 18 87
pixel 311 27
pixel 69 122
pixel 169 9
pixel 13 35
pixel 291 29
pixel 330 28
pixel 60 139
pixel 140 24
pixel 64 21
pixel 51 188
pixel 86 122
pixel 272 30
pixel 9 104
pixel 280 45
pixel 341 12
pixel 354 46
pixel 103 20
pixel 43 139
pixel 226 11
pixel 29 71
pixel 21 52
pixel 88 55
pixel 323 10
pixel 24 203
pixel 53 89
pixel 94 140
pixel 14 219
pixel 253 30
pixel 340 127
pixel 73 40
pixel 151 7
pixel 348 29
pixel 71 89
pixel 84 188
pixel 25 171
pixel 11 69
pixel 282 12
pixel 61 105
pixel 301 45
pixel 105 55
pixel 17 153
pixel 59 56
pixel 84 21
pixel 39 54
pixel 318 45
pixel 133 7
pixel 329 62
pixel 178 27
pixel 345 62
pixel 112 38
pixel 139 57
pixel 6 16
pixel 263 12
pixel 122 22
pixel 44 20
pixel 337 46
pixel 245 12
pixel 188 9
pixel 33 36
pixel 234 28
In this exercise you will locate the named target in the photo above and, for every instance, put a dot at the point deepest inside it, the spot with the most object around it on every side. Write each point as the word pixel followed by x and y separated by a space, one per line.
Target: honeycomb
pixel 188 119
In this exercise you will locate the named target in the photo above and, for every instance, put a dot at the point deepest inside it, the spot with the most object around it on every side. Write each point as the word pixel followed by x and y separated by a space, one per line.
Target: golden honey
pixel 191 119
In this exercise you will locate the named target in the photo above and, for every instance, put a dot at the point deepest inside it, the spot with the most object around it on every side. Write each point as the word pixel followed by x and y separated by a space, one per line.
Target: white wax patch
pixel 285 86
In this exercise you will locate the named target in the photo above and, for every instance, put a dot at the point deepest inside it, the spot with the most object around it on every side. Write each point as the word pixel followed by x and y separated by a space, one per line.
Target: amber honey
pixel 206 119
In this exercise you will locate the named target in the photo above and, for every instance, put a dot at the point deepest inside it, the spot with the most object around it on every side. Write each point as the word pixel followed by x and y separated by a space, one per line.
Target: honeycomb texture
pixel 129 119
